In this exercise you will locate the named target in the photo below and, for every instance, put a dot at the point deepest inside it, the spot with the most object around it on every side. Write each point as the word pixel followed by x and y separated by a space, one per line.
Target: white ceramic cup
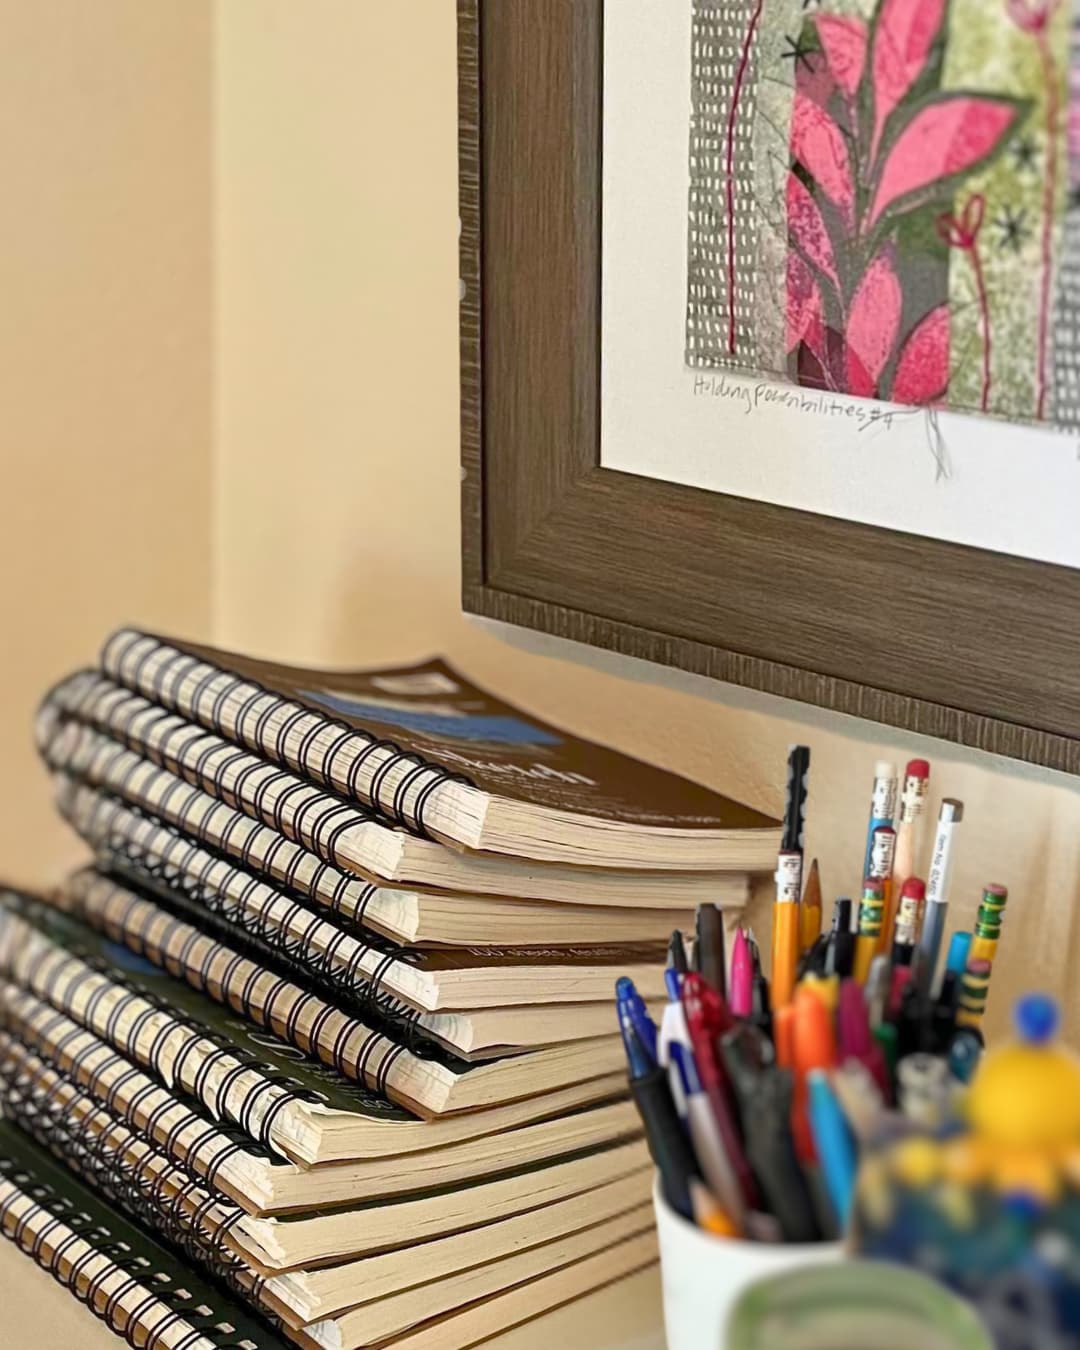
pixel 703 1275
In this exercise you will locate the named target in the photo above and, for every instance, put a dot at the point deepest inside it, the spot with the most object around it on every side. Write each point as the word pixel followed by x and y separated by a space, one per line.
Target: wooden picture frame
pixel 943 640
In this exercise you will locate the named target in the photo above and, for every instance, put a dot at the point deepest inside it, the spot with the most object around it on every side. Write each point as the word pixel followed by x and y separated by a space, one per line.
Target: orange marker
pixel 810 912
pixel 814 1047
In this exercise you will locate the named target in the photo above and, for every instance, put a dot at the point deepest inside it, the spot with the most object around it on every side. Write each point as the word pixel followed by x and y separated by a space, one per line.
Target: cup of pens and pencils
pixel 758 1093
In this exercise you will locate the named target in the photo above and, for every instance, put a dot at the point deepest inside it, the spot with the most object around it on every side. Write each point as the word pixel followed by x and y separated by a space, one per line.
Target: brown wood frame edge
pixel 920 716
pixel 769 677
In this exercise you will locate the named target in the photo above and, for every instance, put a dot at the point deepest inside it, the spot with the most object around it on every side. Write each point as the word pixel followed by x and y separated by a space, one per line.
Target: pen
pixel 909 829
pixel 937 890
pixel 761 1006
pixel 626 994
pixel 677 953
pixel 834 1144
pixel 673 1042
pixel 813 1047
pixel 764 1093
pixel 709 955
pixel 959 951
pixel 706 1025
pixel 667 1143
pixel 742 976
pixel 810 913
pixel 876 990
pixel 785 929
pixel 882 805
pixel 840 957
pixel 709 1148
pixel 856 1041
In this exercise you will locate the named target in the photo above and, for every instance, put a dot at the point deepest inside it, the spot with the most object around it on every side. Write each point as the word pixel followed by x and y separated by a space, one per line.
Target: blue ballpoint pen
pixel 639 1013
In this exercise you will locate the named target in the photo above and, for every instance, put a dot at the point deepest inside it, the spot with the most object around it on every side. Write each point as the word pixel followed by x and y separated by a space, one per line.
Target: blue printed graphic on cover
pixel 439 721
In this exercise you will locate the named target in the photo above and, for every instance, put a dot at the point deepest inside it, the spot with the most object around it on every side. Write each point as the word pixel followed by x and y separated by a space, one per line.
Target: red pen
pixel 856 1039
pixel 707 1018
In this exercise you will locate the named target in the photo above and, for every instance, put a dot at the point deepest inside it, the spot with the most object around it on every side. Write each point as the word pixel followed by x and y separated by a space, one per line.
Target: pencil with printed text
pixel 810 913
pixel 882 859
pixel 789 867
pixel 871 911
pixel 910 820
pixel 882 805
pixel 937 892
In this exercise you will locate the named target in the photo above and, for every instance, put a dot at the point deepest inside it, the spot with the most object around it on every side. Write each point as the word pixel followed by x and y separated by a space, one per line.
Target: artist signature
pixel 750 398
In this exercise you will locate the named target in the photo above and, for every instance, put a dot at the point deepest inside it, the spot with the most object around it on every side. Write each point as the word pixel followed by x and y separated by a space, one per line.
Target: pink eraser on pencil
pixel 918 768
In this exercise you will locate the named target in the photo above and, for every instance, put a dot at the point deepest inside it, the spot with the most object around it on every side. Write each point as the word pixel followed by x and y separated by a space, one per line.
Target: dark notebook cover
pixel 431 710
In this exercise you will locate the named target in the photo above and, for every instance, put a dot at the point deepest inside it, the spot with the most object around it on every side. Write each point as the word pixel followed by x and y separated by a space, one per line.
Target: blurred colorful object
pixel 853 1306
pixel 990 1202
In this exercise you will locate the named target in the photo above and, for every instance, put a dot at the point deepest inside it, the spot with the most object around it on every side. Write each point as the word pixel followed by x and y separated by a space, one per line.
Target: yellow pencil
pixel 810 912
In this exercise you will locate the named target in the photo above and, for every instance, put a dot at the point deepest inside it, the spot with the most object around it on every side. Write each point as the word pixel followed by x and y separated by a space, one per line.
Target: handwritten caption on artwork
pixel 752 398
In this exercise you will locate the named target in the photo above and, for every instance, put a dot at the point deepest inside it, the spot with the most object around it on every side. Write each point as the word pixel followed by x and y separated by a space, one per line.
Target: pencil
pixel 810 913
pixel 882 857
pixel 909 831
pixel 882 805
pixel 785 928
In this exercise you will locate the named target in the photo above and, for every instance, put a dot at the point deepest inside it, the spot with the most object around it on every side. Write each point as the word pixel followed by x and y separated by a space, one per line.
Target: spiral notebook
pixel 152 1297
pixel 245 1248
pixel 251 1176
pixel 263 995
pixel 337 949
pixel 75 749
pixel 426 749
pixel 343 833
pixel 293 1105
pixel 136 1285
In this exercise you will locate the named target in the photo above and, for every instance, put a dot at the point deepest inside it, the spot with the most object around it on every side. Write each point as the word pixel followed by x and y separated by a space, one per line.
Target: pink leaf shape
pixel 819 146
pixel 922 374
pixel 806 228
pixel 814 80
pixel 948 136
pixel 903 37
pixel 843 40
pixel 873 323
pixel 803 306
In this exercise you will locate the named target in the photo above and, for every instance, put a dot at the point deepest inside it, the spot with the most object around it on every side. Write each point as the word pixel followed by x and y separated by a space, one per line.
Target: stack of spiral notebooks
pixel 319 1050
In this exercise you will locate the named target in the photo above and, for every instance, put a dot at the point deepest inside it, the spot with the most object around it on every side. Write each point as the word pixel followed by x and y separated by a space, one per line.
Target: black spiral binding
pixel 285 1089
pixel 58 1210
pixel 396 1035
pixel 163 687
pixel 228 1142
pixel 93 1149
pixel 318 824
pixel 180 880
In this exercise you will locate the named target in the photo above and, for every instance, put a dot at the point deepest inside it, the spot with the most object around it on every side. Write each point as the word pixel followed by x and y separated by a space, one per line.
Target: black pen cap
pixel 841 915
pixel 676 953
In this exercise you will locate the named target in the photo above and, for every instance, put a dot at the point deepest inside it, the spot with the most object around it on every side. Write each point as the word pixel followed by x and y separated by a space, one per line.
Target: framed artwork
pixel 770 336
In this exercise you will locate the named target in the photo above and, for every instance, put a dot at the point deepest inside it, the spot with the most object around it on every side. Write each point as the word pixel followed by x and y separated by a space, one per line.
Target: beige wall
pixel 105 389
pixel 329 507
pixel 338 382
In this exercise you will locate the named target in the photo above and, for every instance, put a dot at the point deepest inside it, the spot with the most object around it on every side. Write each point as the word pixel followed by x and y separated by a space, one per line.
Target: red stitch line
pixel 1053 116
pixel 733 112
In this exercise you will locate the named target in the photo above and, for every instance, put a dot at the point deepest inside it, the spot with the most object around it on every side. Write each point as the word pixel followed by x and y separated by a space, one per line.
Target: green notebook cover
pixel 283 1062
pixel 224 1321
